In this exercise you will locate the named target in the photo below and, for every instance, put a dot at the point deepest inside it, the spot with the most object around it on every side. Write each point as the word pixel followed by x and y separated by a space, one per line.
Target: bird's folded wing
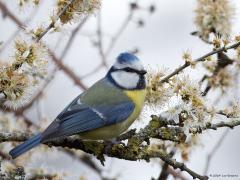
pixel 85 118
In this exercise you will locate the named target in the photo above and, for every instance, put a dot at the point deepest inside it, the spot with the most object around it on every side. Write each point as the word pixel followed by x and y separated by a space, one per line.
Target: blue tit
pixel 102 112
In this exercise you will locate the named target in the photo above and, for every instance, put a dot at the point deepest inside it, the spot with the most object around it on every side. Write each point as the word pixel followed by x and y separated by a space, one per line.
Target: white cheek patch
pixel 125 79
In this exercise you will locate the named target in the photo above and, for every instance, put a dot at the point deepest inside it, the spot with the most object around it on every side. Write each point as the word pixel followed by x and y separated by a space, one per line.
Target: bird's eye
pixel 127 69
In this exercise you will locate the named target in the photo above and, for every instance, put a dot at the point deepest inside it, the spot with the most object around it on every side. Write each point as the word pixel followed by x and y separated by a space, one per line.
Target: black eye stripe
pixel 128 69
pixel 131 70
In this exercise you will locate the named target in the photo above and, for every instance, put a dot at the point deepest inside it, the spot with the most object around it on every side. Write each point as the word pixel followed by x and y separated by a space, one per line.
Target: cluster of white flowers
pixel 20 79
pixel 157 93
pixel 232 111
pixel 77 9
pixel 214 16
pixel 220 77
pixel 24 2
pixel 185 104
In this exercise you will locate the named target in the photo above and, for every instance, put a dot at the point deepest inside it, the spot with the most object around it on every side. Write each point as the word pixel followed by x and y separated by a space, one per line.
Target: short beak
pixel 143 72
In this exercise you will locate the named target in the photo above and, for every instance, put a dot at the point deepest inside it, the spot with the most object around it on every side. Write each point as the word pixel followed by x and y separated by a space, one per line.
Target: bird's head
pixel 127 72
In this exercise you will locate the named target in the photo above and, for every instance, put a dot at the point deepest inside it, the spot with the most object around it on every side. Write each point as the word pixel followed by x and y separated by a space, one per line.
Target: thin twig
pixel 119 32
pixel 51 25
pixel 199 129
pixel 176 165
pixel 67 70
pixel 6 12
pixel 200 59
pixel 164 171
pixel 222 62
pixel 72 37
pixel 27 21
pixel 85 158
pixel 112 43
pixel 214 150
pixel 96 69
pixel 100 40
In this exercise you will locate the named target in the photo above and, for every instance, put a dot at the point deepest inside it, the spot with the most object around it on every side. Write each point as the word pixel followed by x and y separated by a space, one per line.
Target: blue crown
pixel 127 58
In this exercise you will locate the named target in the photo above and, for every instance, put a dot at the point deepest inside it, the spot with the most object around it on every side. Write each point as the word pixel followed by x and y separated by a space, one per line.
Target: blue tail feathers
pixel 24 147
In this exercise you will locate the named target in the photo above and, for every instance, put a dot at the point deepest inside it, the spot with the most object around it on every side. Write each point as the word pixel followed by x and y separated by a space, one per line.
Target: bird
pixel 102 112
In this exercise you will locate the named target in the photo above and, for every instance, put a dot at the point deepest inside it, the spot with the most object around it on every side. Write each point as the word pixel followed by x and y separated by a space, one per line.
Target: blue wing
pixel 79 118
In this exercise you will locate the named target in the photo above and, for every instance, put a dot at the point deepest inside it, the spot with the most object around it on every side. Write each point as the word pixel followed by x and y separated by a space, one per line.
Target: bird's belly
pixel 112 131
pixel 103 133
pixel 109 132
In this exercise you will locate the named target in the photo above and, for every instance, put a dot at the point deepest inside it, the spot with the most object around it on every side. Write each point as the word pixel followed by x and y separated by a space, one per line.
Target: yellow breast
pixel 137 96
